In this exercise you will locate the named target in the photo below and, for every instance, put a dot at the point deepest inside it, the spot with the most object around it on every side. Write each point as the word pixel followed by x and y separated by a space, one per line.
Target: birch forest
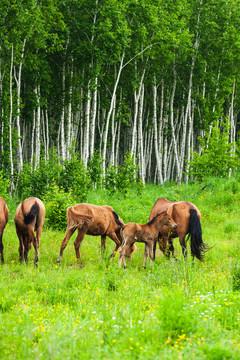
pixel 144 77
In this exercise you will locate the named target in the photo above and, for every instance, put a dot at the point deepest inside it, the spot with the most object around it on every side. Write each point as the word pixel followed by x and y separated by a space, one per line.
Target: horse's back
pixel 178 210
pixel 102 218
pixel 160 205
pixel 25 207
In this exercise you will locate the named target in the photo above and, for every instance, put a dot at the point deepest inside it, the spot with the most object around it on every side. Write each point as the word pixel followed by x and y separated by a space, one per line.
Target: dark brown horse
pixel 92 220
pixel 188 220
pixel 147 233
pixel 29 218
pixel 4 215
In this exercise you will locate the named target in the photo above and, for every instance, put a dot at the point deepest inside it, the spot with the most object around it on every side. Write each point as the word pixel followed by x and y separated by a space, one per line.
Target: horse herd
pixel 167 220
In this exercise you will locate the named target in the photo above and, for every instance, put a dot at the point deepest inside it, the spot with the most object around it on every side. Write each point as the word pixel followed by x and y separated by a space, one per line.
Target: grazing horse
pixel 92 220
pixel 147 233
pixel 29 218
pixel 4 215
pixel 188 220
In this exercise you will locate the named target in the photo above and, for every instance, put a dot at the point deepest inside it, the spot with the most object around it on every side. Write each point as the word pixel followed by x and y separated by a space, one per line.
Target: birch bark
pixel 18 79
pixel 10 124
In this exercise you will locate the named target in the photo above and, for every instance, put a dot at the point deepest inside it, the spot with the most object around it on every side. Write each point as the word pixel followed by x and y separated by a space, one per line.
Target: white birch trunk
pixel 93 118
pixel 87 126
pixel 69 116
pixel 38 128
pixel 173 127
pixel 110 113
pixel 47 134
pixel 33 137
pixel 62 128
pixel 157 154
pixel 18 79
pixel 136 104
pixel 140 138
pixel 10 123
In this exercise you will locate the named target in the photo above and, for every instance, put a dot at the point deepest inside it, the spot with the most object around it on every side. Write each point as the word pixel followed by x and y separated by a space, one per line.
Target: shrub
pixel 95 169
pixel 74 177
pixel 217 157
pixel 57 201
pixel 4 186
pixel 69 175
pixel 121 178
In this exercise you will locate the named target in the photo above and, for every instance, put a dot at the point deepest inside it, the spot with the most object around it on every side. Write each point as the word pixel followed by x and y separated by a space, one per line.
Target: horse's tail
pixel 31 214
pixel 198 248
pixel 117 219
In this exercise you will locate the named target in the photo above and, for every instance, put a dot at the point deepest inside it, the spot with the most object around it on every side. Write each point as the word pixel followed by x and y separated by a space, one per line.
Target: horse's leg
pixel 27 246
pixel 171 247
pixel 122 256
pixel 151 251
pixel 1 248
pixel 183 245
pixel 77 242
pixel 146 250
pixel 21 247
pixel 163 245
pixel 65 241
pixel 32 238
pixel 103 243
pixel 114 237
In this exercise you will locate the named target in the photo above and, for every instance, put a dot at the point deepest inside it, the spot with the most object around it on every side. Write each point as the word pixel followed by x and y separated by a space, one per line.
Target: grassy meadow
pixel 92 309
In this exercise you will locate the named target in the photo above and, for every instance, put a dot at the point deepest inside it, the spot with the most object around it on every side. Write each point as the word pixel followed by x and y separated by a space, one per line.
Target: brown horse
pixel 92 220
pixel 29 217
pixel 188 220
pixel 146 233
pixel 4 215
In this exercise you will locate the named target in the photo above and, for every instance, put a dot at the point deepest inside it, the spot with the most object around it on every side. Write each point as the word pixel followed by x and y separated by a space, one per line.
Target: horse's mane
pixel 116 218
pixel 154 218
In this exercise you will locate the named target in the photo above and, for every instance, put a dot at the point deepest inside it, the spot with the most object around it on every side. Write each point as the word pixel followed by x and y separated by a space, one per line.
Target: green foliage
pixel 4 186
pixel 121 178
pixel 57 201
pixel 95 169
pixel 69 175
pixel 74 177
pixel 217 157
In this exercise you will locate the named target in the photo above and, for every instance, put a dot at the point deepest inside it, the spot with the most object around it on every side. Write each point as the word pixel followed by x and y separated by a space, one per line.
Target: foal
pixel 147 233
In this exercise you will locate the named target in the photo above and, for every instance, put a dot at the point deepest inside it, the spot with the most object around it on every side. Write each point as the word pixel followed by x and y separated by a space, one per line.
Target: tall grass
pixel 92 309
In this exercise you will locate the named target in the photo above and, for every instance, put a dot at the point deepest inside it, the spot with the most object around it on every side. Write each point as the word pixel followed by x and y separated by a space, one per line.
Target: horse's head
pixel 166 224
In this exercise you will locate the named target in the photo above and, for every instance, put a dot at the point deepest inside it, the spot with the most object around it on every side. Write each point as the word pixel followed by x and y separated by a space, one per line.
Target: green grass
pixel 95 310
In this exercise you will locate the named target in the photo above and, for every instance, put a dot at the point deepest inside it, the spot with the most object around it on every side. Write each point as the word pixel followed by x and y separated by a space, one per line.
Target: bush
pixel 121 178
pixel 217 156
pixel 95 169
pixel 74 177
pixel 57 201
pixel 4 186
pixel 69 175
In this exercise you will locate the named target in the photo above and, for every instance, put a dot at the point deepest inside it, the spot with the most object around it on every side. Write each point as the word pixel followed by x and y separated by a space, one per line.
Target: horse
pixel 93 220
pixel 4 216
pixel 188 220
pixel 29 217
pixel 146 233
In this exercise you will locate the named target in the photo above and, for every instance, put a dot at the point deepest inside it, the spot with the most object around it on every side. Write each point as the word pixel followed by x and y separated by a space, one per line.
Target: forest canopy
pixel 149 78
